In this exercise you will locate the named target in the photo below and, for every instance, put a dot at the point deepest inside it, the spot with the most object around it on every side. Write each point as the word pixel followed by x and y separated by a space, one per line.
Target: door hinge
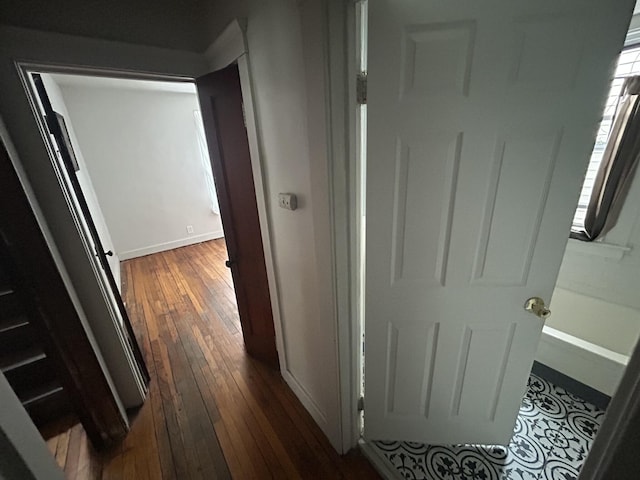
pixel 361 88
pixel 361 404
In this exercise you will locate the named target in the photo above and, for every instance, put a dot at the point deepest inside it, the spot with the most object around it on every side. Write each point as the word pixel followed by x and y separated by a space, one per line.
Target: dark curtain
pixel 617 167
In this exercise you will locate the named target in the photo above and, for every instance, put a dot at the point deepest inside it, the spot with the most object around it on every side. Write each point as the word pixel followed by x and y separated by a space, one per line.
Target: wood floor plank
pixel 112 464
pixel 178 428
pixel 161 434
pixel 89 465
pixel 212 411
pixel 62 449
pixel 73 452
pixel 129 465
pixel 268 429
pixel 159 457
pixel 279 463
pixel 200 424
pixel 52 445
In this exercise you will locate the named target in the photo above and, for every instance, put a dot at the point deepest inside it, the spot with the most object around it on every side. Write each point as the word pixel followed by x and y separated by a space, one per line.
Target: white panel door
pixel 481 118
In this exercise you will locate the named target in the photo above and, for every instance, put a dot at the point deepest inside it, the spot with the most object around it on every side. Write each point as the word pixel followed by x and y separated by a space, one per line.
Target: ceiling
pixel 181 25
pixel 66 80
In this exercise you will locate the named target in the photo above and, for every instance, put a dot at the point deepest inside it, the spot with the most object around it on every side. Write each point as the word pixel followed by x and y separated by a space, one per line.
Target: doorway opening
pixel 137 165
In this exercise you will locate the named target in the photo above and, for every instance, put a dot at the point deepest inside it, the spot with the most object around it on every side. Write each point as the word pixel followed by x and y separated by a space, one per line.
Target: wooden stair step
pixel 47 405
pixel 9 323
pixel 37 371
pixel 10 303
pixel 9 362
pixel 15 339
pixel 5 280
pixel 40 391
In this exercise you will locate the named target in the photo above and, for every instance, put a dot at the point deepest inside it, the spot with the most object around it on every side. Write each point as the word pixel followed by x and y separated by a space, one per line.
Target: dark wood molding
pixel 56 320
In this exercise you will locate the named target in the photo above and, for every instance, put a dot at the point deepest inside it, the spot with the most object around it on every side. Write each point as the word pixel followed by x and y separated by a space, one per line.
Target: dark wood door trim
pixel 56 320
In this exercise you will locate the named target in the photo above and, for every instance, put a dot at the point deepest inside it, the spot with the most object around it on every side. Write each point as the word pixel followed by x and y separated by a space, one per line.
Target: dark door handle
pixel 229 263
pixel 108 253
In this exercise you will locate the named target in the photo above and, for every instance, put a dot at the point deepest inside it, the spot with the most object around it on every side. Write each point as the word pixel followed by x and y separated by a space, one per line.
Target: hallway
pixel 212 411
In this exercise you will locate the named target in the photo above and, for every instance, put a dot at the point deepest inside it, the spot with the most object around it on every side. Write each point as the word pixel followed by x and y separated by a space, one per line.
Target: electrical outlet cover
pixel 288 201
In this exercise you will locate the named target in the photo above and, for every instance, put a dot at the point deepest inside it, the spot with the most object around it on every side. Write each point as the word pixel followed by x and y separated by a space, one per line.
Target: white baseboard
pixel 583 361
pixel 161 247
pixel 312 407
pixel 385 470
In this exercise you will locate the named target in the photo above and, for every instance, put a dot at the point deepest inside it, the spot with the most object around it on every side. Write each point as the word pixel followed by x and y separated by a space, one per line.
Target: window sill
pixel 598 249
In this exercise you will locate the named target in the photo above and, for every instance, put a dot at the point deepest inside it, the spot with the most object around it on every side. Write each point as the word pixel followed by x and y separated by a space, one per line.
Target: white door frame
pixel 625 403
pixel 341 51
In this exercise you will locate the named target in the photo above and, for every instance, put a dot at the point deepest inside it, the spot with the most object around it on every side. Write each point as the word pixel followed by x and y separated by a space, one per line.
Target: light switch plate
pixel 288 201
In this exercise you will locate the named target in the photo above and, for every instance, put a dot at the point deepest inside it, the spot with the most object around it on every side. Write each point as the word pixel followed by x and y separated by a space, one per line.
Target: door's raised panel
pixel 482 362
pixel 411 353
pixel 546 57
pixel 437 58
pixel 520 179
pixel 426 175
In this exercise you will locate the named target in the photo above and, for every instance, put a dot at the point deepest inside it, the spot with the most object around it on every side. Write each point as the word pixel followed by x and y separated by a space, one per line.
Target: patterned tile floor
pixel 553 434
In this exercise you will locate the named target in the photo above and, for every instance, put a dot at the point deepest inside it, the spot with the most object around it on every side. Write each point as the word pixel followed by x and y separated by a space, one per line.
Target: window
pixel 628 66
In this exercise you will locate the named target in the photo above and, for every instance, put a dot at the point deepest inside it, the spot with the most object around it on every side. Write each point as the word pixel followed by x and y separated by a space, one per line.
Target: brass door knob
pixel 536 306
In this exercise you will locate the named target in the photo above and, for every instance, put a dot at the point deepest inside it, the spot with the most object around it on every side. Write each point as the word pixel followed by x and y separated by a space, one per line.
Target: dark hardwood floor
pixel 212 411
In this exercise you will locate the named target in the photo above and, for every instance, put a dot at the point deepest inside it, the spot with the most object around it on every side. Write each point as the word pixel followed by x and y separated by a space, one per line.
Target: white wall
pixel 141 150
pixel 285 42
pixel 279 59
pixel 58 104
pixel 606 324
